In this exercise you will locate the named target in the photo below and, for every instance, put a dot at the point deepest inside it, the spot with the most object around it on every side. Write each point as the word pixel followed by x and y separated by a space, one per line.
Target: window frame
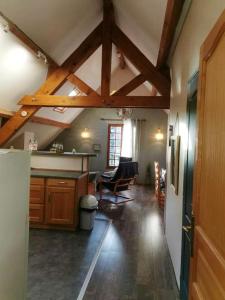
pixel 108 143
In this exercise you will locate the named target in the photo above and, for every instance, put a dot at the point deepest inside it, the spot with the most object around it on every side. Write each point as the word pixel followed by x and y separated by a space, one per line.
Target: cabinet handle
pixel 62 182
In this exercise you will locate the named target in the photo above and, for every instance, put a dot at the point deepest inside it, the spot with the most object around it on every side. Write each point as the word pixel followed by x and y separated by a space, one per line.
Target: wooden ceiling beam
pixel 130 86
pixel 50 122
pixel 97 101
pixel 108 20
pixel 54 82
pixel 6 113
pixel 81 85
pixel 172 16
pixel 138 59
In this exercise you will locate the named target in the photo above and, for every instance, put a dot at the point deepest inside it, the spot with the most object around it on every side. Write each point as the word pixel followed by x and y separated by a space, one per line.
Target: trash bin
pixel 88 206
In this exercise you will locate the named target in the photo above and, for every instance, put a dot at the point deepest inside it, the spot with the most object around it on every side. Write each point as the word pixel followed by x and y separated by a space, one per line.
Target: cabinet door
pixel 36 194
pixel 60 205
pixel 36 213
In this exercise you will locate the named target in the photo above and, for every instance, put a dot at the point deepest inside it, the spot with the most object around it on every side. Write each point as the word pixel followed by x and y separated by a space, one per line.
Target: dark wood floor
pixel 134 263
pixel 59 261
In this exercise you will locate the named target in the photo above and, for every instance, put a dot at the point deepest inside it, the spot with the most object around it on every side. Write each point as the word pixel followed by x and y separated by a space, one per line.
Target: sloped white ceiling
pixel 60 26
pixel 142 21
pixel 57 26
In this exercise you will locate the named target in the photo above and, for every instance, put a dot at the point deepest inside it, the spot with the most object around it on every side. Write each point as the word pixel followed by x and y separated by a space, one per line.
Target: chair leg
pixel 125 197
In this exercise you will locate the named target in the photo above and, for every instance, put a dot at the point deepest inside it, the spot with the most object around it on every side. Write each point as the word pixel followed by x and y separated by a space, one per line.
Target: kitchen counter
pixel 69 154
pixel 67 161
pixel 56 174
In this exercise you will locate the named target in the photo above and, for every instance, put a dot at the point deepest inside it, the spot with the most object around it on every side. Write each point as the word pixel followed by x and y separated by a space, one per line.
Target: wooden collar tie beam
pixel 97 101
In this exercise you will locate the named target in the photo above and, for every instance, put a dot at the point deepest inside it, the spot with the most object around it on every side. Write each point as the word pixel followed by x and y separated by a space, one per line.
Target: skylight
pixel 74 92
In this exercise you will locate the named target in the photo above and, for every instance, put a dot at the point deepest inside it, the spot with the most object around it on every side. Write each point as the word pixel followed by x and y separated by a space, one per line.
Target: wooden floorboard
pixel 134 262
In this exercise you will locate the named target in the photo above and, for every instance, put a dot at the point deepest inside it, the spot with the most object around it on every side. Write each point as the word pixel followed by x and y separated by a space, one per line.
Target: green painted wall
pixel 91 118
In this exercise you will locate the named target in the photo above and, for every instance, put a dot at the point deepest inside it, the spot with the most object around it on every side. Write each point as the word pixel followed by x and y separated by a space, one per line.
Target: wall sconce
pixel 85 134
pixel 159 135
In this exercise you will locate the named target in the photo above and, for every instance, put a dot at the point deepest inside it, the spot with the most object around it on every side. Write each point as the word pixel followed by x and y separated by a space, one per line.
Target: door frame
pixel 192 91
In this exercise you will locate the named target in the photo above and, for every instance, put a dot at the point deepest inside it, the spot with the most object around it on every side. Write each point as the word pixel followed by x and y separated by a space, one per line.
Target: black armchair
pixel 124 176
pixel 110 174
pixel 125 159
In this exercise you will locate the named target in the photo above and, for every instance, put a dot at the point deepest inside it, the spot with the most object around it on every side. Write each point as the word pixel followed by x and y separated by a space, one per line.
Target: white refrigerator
pixel 14 230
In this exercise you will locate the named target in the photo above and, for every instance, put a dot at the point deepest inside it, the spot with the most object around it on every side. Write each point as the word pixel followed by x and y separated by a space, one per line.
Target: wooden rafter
pixel 35 119
pixel 130 86
pixel 172 16
pixel 49 122
pixel 54 82
pixel 82 86
pixel 5 113
pixel 138 59
pixel 108 20
pixel 96 101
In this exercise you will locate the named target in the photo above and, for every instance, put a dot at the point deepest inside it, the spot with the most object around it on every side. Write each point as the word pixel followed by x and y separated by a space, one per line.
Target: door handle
pixel 187 228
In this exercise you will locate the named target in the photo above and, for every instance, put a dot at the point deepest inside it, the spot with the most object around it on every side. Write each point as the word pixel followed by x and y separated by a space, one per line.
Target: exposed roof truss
pixel 106 33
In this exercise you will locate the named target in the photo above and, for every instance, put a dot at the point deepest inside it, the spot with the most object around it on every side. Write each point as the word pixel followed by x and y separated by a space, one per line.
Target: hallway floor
pixel 134 263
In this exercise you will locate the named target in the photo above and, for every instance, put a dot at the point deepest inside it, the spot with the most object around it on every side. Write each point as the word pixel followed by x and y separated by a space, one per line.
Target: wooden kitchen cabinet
pixel 59 207
pixel 54 202
pixel 37 198
pixel 36 213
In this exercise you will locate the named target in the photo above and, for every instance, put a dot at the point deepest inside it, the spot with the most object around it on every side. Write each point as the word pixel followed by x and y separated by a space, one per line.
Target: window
pixel 75 92
pixel 115 132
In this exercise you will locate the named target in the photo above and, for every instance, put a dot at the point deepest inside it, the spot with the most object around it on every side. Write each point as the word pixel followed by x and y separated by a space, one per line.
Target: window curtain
pixel 136 138
pixel 131 141
pixel 127 140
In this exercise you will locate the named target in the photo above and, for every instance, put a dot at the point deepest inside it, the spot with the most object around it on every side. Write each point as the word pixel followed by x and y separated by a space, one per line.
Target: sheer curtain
pixel 136 138
pixel 127 141
pixel 131 141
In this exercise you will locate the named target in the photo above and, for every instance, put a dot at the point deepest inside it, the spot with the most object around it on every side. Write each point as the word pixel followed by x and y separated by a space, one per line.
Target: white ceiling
pixel 59 26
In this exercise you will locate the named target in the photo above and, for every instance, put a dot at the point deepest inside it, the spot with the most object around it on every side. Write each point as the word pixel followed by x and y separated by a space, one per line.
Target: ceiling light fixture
pixel 24 113
pixel 42 56
pixel 124 113
pixel 5 27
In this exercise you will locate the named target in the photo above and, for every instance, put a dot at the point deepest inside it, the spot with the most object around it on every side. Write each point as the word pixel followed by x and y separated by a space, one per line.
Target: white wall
pixel 185 61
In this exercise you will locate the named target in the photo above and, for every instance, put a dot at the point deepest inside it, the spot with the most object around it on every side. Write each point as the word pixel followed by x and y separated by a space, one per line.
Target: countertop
pixel 56 174
pixel 68 154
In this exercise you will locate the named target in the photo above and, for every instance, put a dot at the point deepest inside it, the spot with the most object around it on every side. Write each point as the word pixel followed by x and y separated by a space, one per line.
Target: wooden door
pixel 188 220
pixel 207 280
pixel 60 205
